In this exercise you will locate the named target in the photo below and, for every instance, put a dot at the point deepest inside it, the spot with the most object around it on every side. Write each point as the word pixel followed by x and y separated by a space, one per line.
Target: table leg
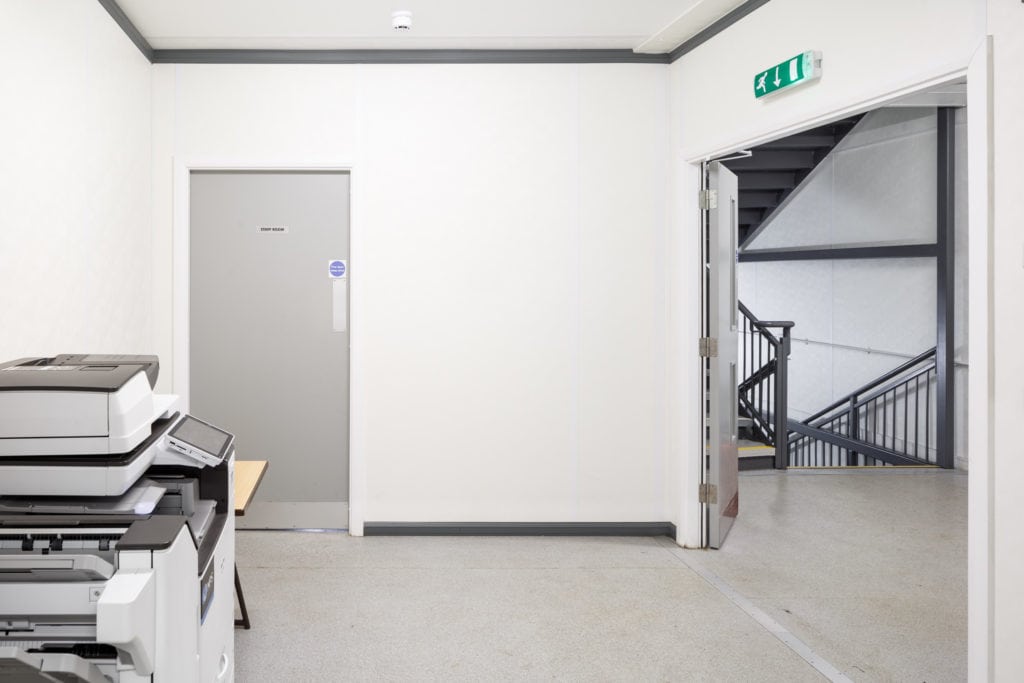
pixel 244 621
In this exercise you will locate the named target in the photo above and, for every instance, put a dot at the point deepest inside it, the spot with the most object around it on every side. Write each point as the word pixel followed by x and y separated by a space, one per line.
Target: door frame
pixel 981 518
pixel 181 290
pixel 693 513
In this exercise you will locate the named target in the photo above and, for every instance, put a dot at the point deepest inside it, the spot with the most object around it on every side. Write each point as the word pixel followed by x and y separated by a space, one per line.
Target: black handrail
pixel 873 383
pixel 763 393
pixel 885 390
pixel 868 427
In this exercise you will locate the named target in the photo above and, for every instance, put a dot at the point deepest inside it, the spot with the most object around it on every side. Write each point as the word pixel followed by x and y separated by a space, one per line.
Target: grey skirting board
pixel 519 529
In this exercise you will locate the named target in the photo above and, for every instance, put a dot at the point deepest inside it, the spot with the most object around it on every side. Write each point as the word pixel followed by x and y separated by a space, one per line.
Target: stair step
pixel 742 422
pixel 754 455
pixel 757 462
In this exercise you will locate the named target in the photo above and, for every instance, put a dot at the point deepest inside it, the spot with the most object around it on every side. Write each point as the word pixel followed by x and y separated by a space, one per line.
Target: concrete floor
pixel 867 569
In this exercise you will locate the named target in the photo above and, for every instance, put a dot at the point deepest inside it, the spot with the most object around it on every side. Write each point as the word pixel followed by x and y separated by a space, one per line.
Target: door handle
pixel 339 304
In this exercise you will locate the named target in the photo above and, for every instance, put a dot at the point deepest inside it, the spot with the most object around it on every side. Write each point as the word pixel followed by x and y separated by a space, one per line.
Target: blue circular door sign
pixel 337 268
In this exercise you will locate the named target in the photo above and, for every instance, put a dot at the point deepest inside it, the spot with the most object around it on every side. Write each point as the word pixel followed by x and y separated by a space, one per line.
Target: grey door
pixel 269 341
pixel 720 222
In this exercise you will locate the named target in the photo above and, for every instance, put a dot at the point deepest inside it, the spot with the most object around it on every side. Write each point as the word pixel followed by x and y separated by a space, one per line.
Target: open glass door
pixel 720 491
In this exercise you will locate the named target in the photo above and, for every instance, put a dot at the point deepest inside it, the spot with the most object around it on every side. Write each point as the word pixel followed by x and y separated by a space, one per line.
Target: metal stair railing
pixel 890 421
pixel 763 393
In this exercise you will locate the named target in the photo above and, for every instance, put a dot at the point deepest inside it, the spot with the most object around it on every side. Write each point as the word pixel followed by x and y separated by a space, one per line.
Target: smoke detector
pixel 401 20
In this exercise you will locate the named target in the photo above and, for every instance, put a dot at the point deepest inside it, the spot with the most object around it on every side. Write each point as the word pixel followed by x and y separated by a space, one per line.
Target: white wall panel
pixel 876 187
pixel 273 111
pixel 471 239
pixel 622 308
pixel 746 284
pixel 886 304
pixel 885 193
pixel 75 133
pixel 853 368
pixel 810 376
pixel 1006 23
pixel 800 291
pixel 508 302
pixel 886 124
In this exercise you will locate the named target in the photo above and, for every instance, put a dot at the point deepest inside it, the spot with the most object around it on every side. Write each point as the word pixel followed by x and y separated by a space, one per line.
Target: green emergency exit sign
pixel 803 68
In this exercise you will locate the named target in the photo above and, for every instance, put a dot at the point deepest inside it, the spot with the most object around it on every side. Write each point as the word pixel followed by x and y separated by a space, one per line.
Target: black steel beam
pixel 750 216
pixel 769 160
pixel 777 181
pixel 944 295
pixel 759 200
pixel 801 141
pixel 866 449
pixel 893 251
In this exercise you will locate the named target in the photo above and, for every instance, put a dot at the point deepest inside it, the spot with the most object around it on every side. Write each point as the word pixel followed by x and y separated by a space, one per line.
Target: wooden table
pixel 248 475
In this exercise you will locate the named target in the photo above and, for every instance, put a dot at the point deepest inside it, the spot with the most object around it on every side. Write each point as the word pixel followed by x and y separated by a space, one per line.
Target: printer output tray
pixel 81 475
pixel 19 666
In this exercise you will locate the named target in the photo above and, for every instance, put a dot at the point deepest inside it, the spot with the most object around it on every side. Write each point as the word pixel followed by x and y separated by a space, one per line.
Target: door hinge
pixel 708 199
pixel 708 494
pixel 708 347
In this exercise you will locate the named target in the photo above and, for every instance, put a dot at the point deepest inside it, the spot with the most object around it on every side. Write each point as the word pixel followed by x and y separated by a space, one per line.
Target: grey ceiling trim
pixel 715 28
pixel 128 27
pixel 419 56
pixel 406 57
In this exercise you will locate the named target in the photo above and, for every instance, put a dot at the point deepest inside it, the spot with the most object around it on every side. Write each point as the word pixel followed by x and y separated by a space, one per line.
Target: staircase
pixel 889 421
pixel 775 169
pixel 762 394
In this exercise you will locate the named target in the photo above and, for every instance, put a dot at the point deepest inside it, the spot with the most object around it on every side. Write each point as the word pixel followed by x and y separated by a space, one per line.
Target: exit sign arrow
pixel 803 68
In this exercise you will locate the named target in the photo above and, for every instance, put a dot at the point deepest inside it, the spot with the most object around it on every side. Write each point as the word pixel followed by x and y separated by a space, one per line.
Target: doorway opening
pixel 851 289
pixel 851 349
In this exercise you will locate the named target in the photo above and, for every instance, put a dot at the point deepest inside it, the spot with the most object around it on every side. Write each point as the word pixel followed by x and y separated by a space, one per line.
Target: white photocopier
pixel 116 528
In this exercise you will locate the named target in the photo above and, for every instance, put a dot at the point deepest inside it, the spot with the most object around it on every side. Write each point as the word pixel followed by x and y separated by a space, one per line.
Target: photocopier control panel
pixel 200 441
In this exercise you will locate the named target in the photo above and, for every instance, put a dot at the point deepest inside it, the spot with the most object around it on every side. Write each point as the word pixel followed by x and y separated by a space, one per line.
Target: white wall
pixel 509 298
pixel 75 171
pixel 872 50
pixel 1006 591
pixel 857 319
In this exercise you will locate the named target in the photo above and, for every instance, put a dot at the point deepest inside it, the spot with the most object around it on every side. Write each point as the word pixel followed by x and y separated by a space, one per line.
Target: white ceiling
pixel 446 24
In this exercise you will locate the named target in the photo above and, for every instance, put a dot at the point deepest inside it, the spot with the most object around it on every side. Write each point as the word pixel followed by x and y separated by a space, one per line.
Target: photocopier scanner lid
pixel 100 373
